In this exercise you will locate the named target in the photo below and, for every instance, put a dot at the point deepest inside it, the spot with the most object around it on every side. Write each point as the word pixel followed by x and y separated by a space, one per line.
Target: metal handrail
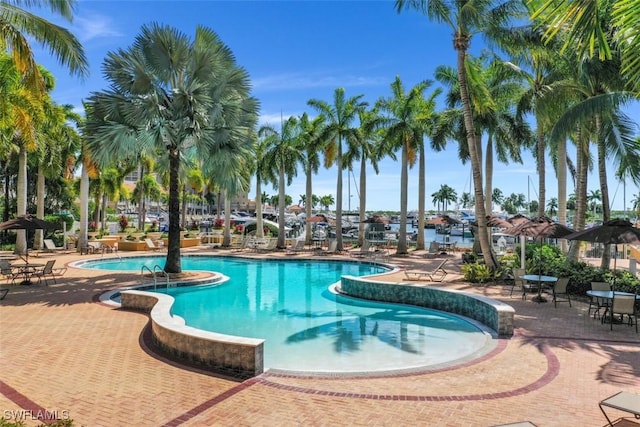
pixel 162 271
pixel 155 283
pixel 156 269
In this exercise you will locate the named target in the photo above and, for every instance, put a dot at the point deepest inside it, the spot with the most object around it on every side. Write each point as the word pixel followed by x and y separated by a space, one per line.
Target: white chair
pixel 50 246
pixel 624 305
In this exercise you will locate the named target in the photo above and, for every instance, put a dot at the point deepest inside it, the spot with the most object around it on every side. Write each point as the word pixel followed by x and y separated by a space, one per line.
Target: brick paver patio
pixel 65 354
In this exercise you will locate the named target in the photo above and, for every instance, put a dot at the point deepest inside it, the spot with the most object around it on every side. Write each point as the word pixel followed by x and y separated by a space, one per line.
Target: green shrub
pixel 476 273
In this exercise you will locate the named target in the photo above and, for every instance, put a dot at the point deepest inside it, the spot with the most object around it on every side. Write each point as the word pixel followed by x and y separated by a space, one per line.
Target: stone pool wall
pixel 494 314
pixel 235 356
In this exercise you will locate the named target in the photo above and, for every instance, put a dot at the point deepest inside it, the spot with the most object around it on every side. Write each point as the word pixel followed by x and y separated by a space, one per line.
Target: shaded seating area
pixel 436 275
pixel 596 304
pixel 622 305
pixel 8 272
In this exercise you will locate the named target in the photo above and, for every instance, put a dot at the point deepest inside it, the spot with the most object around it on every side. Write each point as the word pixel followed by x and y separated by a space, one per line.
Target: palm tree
pixel 599 30
pixel 18 27
pixel 466 201
pixel 339 127
pixel 283 152
pixel 593 198
pixel 552 206
pixel 635 203
pixel 369 149
pixel 465 18
pixel 408 119
pixel 327 201
pixel 173 95
pixel 312 144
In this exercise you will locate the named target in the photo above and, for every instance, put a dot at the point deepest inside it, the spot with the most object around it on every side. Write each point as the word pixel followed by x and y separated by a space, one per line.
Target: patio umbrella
pixel 443 220
pixel 613 232
pixel 540 227
pixel 317 218
pixel 27 223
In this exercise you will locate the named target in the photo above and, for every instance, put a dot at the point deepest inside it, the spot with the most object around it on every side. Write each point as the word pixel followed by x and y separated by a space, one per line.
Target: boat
pixel 460 231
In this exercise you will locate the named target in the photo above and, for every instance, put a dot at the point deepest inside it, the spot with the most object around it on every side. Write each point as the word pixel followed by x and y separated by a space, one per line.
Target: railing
pixel 156 269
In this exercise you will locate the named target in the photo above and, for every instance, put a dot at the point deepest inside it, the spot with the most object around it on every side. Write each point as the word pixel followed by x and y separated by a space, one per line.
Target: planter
pixel 184 243
pixel 122 235
pixel 137 236
pixel 91 235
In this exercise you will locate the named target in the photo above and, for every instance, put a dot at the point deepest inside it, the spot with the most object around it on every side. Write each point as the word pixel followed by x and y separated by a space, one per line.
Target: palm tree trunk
pixel 281 206
pixel 542 189
pixel 339 246
pixel 476 165
pixel 604 189
pixel 39 239
pixel 422 187
pixel 561 170
pixel 488 178
pixel 172 264
pixel 259 230
pixel 582 152
pixel 21 202
pixel 404 184
pixel 363 199
pixel 84 206
pixel 308 205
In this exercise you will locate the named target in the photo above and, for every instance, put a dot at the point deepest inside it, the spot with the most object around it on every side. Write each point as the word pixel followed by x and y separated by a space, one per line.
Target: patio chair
pixel 364 251
pixel 436 275
pixel 597 304
pixel 518 280
pixel 434 250
pixel 50 246
pixel 7 271
pixel 49 271
pixel 623 305
pixel 560 290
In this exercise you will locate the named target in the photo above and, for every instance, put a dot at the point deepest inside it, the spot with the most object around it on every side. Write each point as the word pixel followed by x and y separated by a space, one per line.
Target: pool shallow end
pixel 239 357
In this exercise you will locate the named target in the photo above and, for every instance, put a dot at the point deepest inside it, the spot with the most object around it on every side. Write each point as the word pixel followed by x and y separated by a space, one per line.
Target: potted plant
pixel 123 223
pixel 92 230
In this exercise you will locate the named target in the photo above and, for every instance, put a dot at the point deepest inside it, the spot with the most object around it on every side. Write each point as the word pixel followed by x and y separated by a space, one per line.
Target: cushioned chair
pixel 560 291
pixel 624 305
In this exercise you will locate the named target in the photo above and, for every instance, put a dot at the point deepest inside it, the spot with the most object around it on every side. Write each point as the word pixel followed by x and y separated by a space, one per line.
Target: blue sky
pixel 298 50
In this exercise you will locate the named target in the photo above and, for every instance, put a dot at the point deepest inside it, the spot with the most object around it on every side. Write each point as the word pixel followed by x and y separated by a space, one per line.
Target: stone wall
pixel 494 314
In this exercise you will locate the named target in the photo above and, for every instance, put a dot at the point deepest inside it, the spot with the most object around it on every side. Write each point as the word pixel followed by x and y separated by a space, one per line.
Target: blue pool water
pixel 307 327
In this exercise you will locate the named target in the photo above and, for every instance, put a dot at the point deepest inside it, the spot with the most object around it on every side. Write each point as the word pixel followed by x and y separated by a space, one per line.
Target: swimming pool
pixel 307 327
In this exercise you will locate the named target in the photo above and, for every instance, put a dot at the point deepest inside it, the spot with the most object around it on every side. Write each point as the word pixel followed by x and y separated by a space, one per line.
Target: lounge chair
pixel 436 275
pixel 364 251
pixel 331 249
pixel 50 246
pixel 152 246
pixel 267 244
pixel 434 250
pixel 49 271
pixel 296 247
pixel 622 401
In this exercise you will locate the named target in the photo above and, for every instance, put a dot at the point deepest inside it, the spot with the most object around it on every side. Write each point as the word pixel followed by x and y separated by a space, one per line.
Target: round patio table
pixel 26 269
pixel 540 280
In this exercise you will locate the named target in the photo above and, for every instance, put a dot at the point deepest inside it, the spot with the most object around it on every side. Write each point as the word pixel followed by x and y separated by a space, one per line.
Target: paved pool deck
pixel 65 354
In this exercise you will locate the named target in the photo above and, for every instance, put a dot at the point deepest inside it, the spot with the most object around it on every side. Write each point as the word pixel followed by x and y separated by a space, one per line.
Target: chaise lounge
pixel 436 275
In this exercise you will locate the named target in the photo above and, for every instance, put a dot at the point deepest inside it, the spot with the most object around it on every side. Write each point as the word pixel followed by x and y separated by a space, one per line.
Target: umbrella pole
pixel 522 252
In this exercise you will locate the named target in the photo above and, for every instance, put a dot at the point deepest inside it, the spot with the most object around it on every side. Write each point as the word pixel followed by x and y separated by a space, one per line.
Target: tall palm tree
pixel 171 94
pixel 18 27
pixel 464 19
pixel 312 145
pixel 369 148
pixel 339 128
pixel 284 151
pixel 407 119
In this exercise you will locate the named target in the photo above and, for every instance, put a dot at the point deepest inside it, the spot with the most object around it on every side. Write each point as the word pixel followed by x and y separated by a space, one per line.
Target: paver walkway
pixel 65 354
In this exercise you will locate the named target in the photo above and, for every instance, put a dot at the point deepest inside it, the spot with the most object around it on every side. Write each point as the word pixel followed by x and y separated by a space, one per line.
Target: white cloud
pixel 296 81
pixel 95 26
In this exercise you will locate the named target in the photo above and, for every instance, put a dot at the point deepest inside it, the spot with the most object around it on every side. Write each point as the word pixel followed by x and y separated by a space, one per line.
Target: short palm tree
pixel 170 94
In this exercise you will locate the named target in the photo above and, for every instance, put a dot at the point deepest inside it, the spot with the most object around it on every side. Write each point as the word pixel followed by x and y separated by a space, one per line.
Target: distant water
pixel 431 235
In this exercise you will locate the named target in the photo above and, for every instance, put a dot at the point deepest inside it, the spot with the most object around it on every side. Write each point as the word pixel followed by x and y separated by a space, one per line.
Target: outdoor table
pixel 608 295
pixel 622 401
pixel 26 269
pixel 540 280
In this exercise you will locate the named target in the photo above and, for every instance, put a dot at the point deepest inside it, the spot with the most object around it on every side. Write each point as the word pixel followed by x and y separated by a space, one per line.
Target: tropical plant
pixel 171 94
pixel 339 127
pixel 407 117
pixel 465 19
